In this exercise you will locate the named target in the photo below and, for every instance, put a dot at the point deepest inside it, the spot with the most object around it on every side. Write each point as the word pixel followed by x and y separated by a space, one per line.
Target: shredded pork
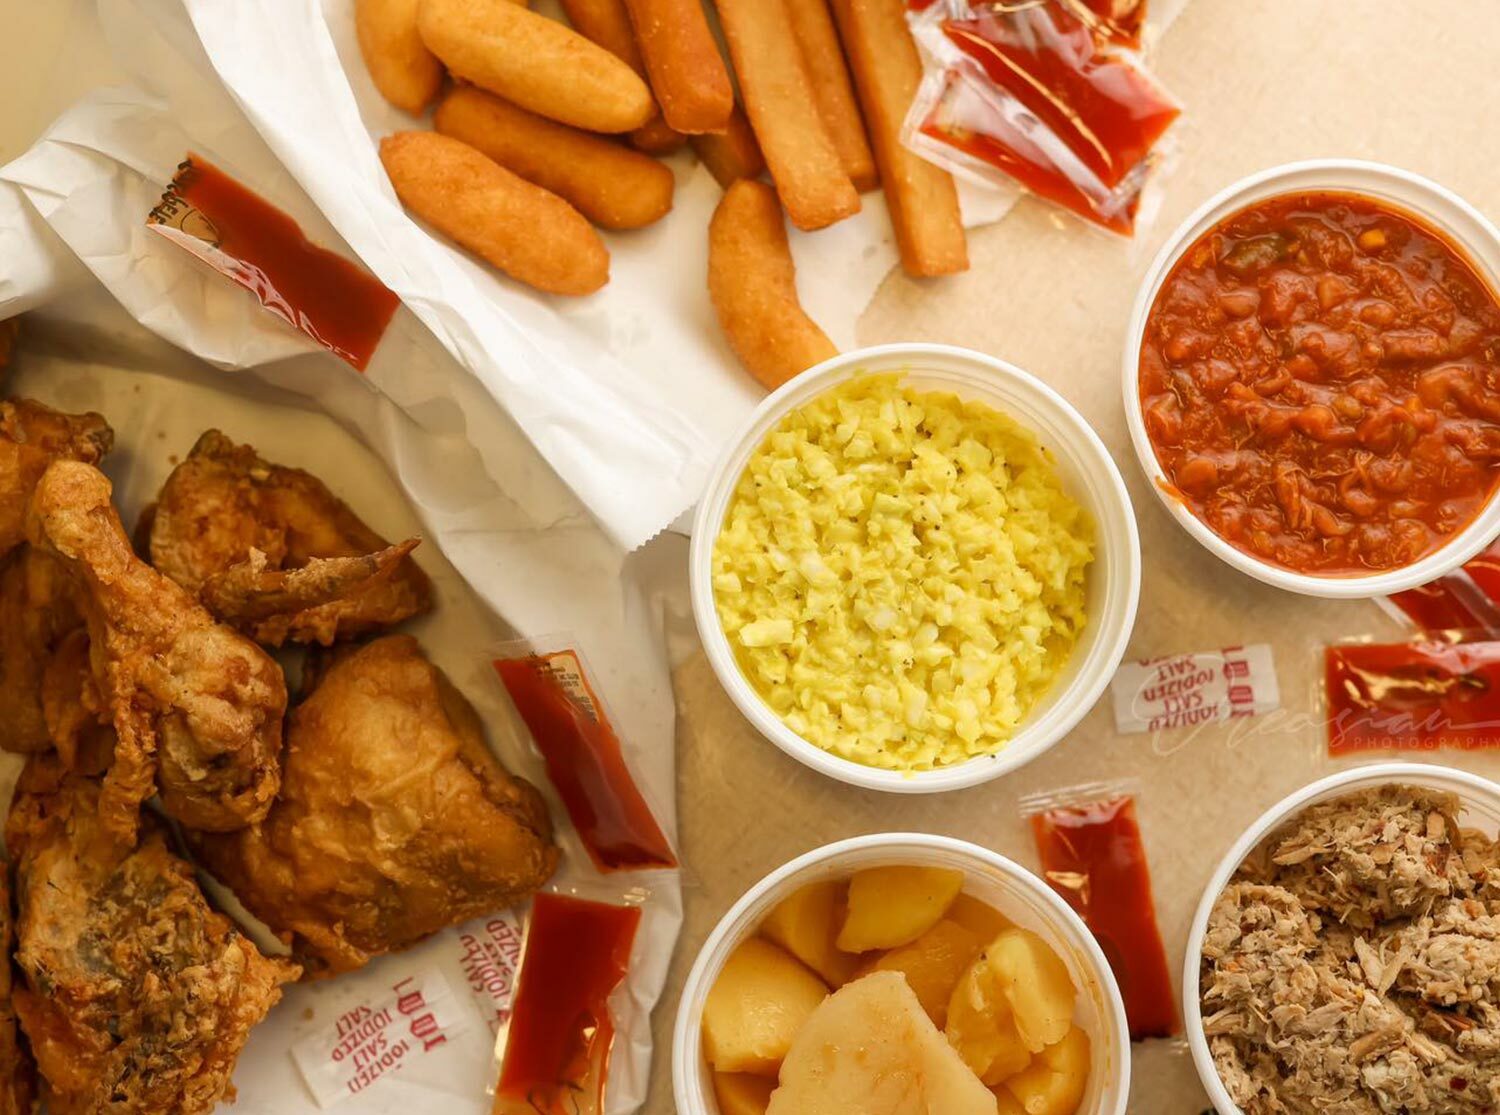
pixel 1352 966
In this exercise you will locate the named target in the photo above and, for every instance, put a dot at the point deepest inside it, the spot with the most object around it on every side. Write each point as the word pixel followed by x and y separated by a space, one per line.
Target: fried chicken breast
pixel 275 553
pixel 32 436
pixel 135 995
pixel 196 707
pixel 17 1073
pixel 394 819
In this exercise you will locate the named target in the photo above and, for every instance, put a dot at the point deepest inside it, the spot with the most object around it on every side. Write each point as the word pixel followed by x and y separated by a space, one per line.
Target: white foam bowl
pixel 989 877
pixel 1480 799
pixel 1436 205
pixel 1087 473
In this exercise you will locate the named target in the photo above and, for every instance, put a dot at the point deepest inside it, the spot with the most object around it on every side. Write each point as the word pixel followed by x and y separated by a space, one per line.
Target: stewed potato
pixel 893 906
pixel 1054 1083
pixel 870 1048
pixel 806 924
pixel 761 999
pixel 933 964
pixel 1036 985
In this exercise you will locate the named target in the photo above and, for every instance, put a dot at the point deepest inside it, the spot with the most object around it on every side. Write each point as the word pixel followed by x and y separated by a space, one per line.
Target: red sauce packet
pixel 1116 21
pixel 244 237
pixel 1484 571
pixel 1423 695
pixel 561 1030
pixel 1043 94
pixel 1437 606
pixel 1093 856
pixel 584 760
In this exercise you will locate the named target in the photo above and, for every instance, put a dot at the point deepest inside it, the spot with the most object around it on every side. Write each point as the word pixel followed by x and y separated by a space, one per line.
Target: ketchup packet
pixel 1093 856
pixel 1051 95
pixel 561 1030
pixel 1432 692
pixel 572 730
pixel 1467 599
pixel 244 237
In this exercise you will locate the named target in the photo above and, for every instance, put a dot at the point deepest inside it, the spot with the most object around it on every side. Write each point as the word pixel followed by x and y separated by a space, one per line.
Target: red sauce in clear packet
pixel 585 762
pixel 1484 570
pixel 1093 856
pixel 1116 21
pixel 1435 606
pixel 1089 106
pixel 243 236
pixel 561 1030
pixel 1421 695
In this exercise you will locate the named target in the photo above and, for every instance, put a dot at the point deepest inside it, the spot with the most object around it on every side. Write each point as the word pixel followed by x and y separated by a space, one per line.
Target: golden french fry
pixel 609 184
pixel 809 177
pixel 607 23
pixel 687 72
pixel 403 69
pixel 530 234
pixel 922 197
pixel 812 26
pixel 535 62
pixel 732 153
pixel 753 284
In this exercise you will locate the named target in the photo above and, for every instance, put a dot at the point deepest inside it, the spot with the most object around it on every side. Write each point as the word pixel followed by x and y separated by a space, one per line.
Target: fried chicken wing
pixel 136 996
pixel 196 707
pixel 32 436
pixel 17 1073
pixel 394 819
pixel 38 609
pixel 272 551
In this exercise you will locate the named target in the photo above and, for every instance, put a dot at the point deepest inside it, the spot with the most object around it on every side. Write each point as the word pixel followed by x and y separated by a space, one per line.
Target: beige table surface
pixel 1409 83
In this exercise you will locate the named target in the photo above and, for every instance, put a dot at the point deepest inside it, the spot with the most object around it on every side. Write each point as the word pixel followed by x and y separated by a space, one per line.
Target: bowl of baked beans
pixel 1312 378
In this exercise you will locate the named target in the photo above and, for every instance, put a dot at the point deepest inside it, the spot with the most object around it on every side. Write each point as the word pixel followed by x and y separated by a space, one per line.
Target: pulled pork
pixel 1352 966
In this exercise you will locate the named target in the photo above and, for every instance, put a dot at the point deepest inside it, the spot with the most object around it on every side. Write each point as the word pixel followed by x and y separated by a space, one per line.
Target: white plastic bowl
pixel 1480 799
pixel 1087 473
pixel 989 877
pixel 1439 207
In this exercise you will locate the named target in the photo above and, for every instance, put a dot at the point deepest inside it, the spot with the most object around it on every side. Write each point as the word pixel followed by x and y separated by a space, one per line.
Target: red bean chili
pixel 1320 379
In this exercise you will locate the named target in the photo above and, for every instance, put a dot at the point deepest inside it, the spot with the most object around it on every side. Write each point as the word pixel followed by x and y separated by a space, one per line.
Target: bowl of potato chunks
pixel 895 974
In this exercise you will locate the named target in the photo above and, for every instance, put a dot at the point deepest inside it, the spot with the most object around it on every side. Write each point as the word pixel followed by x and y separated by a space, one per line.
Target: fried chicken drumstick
pixel 394 819
pixel 31 438
pixel 136 996
pixel 17 1073
pixel 196 707
pixel 275 553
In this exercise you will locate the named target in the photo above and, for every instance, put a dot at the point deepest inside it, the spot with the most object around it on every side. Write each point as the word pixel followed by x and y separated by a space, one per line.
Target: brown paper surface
pixel 1263 83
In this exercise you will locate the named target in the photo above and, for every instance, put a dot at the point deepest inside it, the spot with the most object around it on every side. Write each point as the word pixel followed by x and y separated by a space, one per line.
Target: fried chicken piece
pixel 394 819
pixel 31 438
pixel 196 707
pixel 38 610
pixel 272 551
pixel 136 996
pixel 17 1073
pixel 77 719
pixel 10 328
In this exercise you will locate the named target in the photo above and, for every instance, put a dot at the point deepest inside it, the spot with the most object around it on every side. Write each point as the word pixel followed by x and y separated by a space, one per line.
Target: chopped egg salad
pixel 901 575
